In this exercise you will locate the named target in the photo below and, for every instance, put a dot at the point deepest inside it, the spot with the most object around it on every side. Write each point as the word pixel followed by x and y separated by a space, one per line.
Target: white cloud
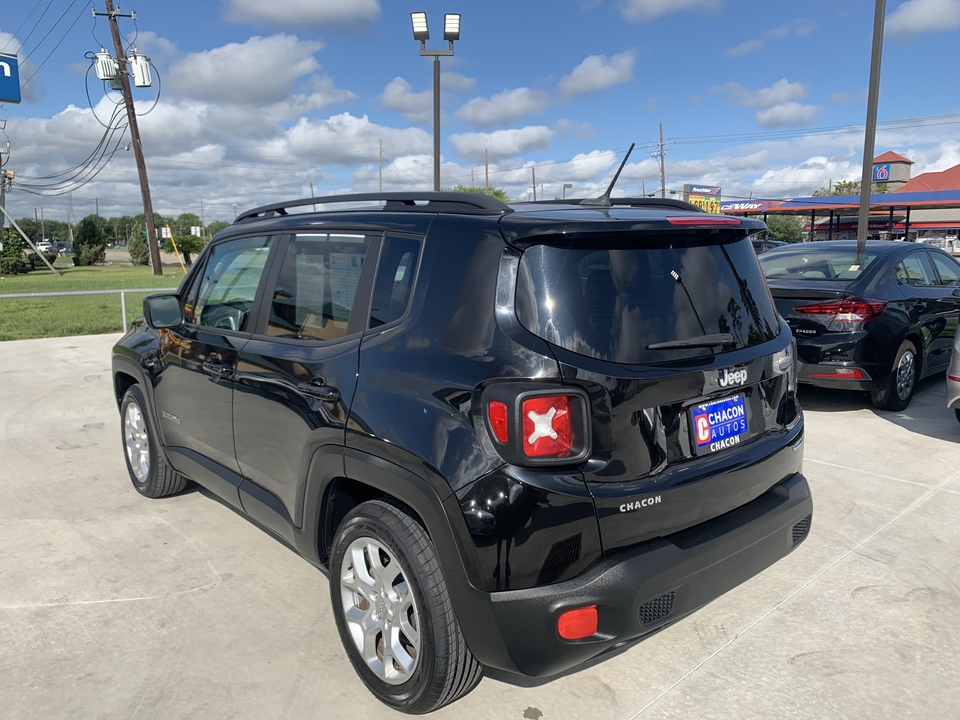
pixel 919 16
pixel 505 107
pixel 501 143
pixel 800 28
pixel 254 73
pixel 298 14
pixel 780 92
pixel 596 73
pixel 745 48
pixel 643 10
pixel 342 139
pixel 789 114
pixel 457 82
pixel 415 107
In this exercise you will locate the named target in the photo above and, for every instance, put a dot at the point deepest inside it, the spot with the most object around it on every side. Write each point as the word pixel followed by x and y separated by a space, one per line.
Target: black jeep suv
pixel 515 436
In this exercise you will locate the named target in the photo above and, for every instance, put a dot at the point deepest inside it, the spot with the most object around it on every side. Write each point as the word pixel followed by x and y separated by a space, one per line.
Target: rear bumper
pixel 830 375
pixel 641 590
pixel 867 361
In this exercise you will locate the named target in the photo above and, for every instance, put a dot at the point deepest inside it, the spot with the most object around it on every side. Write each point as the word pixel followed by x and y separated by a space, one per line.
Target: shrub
pixel 90 255
pixel 139 250
pixel 90 241
pixel 11 258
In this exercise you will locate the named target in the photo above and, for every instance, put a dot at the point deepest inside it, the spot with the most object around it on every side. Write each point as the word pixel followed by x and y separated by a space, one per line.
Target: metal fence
pixel 121 293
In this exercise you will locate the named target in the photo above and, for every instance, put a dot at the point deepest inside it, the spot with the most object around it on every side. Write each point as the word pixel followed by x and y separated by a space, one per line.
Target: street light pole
pixel 870 133
pixel 451 32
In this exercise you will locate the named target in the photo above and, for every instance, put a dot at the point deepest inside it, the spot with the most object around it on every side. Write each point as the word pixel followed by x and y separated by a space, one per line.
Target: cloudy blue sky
pixel 253 101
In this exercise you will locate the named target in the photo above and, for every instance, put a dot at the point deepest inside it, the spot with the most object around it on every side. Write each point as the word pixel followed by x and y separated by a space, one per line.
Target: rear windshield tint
pixel 808 262
pixel 614 302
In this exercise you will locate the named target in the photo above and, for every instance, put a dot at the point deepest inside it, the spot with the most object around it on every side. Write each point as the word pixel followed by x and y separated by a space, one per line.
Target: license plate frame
pixel 717 425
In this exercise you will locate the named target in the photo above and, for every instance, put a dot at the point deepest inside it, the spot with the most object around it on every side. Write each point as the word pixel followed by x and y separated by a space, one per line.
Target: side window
pixel 317 284
pixel 224 293
pixel 947 269
pixel 914 270
pixel 394 283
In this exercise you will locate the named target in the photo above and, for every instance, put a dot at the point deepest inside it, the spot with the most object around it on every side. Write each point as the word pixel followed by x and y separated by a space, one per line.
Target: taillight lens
pixel 848 310
pixel 547 426
pixel 532 423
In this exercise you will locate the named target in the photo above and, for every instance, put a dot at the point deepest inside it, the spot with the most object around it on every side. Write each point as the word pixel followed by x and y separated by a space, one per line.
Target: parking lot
pixel 115 606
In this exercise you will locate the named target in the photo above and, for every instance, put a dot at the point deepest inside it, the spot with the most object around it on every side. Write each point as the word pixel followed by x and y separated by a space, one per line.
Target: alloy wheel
pixel 137 442
pixel 380 610
pixel 906 375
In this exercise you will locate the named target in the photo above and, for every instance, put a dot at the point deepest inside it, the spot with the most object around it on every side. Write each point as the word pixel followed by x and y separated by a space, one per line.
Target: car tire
pixel 899 387
pixel 385 581
pixel 149 471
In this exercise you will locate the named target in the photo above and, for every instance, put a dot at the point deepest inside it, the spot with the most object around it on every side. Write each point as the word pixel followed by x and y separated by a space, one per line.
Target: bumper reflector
pixel 578 624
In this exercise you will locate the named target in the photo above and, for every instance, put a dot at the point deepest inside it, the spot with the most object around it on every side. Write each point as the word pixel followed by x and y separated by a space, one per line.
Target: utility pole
pixel 381 165
pixel 6 177
pixel 533 172
pixel 663 174
pixel 112 15
pixel 486 171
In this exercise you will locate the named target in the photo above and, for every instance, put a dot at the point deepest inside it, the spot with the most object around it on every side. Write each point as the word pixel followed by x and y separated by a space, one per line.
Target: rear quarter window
pixel 812 263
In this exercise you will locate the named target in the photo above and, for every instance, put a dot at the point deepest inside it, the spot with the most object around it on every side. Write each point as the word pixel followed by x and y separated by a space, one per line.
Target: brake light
pixel 578 624
pixel 547 427
pixel 699 220
pixel 855 309
pixel 842 374
pixel 497 414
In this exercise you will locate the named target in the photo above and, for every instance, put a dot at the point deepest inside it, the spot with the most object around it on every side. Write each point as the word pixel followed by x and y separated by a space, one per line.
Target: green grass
pixel 23 318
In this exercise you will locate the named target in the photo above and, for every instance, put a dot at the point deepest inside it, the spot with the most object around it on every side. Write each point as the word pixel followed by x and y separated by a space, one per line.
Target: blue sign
pixel 702 190
pixel 881 173
pixel 9 79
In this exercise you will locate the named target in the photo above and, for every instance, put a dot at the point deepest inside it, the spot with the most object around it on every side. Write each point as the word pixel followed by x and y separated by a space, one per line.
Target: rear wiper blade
pixel 694 342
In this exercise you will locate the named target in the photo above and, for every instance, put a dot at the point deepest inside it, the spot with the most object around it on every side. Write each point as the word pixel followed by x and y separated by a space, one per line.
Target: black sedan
pixel 879 323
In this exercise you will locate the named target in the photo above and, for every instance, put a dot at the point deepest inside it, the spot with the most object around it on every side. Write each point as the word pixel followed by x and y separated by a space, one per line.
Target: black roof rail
pixel 429 202
pixel 648 202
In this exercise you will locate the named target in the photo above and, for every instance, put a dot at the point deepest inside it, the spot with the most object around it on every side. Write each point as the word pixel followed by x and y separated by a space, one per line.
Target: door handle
pixel 317 388
pixel 217 368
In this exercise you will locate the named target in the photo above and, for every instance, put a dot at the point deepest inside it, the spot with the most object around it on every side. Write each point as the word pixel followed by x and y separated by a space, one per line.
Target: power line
pixel 59 42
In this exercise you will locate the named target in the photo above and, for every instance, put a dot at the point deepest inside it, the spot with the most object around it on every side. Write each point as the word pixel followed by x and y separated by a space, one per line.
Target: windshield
pixel 806 261
pixel 619 303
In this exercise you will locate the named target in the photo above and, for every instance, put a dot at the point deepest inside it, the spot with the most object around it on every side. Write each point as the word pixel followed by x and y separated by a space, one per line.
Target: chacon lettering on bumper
pixel 637 504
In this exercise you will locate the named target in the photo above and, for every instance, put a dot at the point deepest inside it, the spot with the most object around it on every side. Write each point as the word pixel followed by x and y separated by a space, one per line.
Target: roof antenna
pixel 604 200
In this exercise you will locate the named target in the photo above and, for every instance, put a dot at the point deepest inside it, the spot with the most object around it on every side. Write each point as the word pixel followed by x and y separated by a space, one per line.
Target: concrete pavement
pixel 115 606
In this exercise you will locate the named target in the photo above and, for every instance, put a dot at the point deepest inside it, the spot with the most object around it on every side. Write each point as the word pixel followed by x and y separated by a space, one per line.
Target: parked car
pixel 63 248
pixel 953 378
pixel 878 323
pixel 761 245
pixel 44 246
pixel 515 436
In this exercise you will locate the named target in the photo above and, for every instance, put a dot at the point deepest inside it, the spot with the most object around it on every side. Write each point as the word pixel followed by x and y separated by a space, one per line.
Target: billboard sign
pixel 705 197
pixel 881 173
pixel 9 79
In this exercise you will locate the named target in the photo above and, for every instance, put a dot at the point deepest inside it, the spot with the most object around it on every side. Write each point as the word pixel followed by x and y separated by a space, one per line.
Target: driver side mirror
pixel 162 311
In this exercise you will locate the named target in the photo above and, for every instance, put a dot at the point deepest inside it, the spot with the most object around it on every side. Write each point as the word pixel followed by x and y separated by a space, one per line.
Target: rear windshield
pixel 614 302
pixel 808 262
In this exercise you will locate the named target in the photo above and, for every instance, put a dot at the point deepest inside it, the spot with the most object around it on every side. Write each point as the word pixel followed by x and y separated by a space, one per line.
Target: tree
pixel 139 249
pixel 786 228
pixel 216 226
pixel 188 245
pixel 497 193
pixel 849 187
pixel 90 241
pixel 11 257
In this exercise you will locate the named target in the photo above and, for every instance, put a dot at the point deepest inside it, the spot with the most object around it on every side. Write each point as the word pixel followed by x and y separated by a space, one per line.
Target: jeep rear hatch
pixel 678 345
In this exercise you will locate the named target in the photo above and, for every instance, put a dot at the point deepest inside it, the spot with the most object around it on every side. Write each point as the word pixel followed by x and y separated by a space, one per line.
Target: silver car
pixel 953 377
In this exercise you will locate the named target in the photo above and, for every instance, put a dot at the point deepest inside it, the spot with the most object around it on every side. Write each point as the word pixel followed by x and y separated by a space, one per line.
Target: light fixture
pixel 420 30
pixel 451 26
pixel 421 33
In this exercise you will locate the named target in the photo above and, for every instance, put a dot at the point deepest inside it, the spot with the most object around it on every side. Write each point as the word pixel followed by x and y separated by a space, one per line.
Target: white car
pixel 953 377
pixel 44 246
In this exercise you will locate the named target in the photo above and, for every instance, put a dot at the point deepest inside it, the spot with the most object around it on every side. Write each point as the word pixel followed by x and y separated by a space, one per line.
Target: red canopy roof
pixel 948 179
